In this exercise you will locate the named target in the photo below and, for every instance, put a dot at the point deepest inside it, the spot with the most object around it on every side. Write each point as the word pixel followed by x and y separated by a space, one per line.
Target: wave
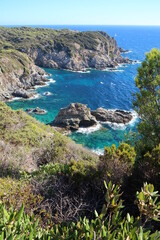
pixel 89 130
pixel 129 51
pixel 40 86
pixel 113 70
pixel 101 82
pixel 36 96
pixel 86 71
pixel 14 99
pixel 51 80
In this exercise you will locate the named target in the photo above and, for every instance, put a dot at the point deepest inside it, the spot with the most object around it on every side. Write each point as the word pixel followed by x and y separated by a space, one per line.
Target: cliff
pixel 18 74
pixel 65 49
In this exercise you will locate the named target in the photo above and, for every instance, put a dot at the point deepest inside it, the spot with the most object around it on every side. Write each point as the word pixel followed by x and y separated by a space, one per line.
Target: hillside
pixel 51 188
pixel 64 49
pixel 35 143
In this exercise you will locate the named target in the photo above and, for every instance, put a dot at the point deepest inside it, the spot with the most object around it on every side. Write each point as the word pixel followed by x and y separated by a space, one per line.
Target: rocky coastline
pixel 23 51
pixel 78 115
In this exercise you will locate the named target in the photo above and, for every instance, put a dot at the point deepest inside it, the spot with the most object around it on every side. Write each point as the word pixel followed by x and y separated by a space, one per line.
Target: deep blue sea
pixel 107 89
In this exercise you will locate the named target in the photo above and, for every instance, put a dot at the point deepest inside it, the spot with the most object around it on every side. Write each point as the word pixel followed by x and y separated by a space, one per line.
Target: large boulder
pixel 22 93
pixel 113 116
pixel 74 116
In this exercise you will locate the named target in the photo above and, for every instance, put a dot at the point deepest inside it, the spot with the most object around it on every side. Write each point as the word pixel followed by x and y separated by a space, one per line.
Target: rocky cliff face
pixel 105 53
pixel 65 49
pixel 78 115
pixel 18 74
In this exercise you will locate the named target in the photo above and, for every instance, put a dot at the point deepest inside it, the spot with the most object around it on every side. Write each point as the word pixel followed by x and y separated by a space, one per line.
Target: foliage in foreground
pixel 108 225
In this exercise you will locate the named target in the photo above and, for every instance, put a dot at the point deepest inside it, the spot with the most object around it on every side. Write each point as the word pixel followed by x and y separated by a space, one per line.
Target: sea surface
pixel 107 89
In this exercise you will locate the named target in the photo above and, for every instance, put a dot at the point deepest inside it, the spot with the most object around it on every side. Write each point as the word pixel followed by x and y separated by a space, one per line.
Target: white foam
pixel 113 70
pixel 14 99
pixel 51 80
pixel 89 129
pixel 115 126
pixel 85 71
pixel 136 62
pixel 129 51
pixel 98 151
pixel 40 86
pixel 113 84
pixel 36 96
pixel 47 93
pixel 101 82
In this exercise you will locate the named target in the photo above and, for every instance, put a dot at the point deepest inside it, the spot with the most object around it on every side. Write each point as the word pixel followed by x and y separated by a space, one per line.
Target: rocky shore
pixel 78 115
pixel 18 75
pixel 24 50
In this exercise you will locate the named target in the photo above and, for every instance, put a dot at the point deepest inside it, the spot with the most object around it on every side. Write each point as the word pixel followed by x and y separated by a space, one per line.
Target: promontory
pixel 24 50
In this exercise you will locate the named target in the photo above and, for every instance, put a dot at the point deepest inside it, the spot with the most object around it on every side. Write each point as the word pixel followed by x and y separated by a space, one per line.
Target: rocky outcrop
pixel 18 74
pixel 22 94
pixel 74 116
pixel 36 110
pixel 78 115
pixel 113 116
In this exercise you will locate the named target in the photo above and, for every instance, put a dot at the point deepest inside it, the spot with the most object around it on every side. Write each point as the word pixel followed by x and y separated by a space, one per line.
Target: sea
pixel 111 89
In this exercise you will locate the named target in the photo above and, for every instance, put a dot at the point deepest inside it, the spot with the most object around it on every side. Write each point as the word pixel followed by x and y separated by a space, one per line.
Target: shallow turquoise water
pixel 108 89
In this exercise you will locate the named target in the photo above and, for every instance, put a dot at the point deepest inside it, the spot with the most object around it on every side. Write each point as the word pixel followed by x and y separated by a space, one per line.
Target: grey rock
pixel 117 116
pixel 36 110
pixel 74 116
pixel 22 94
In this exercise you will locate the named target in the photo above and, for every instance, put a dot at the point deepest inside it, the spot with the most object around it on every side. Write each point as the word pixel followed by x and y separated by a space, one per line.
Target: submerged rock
pixel 117 116
pixel 36 110
pixel 47 93
pixel 74 116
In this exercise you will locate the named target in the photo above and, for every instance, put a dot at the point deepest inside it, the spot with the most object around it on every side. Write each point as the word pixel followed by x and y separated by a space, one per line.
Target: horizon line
pixel 121 25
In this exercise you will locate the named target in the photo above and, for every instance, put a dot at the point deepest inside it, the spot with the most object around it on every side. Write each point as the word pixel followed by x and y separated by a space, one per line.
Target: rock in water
pixel 74 116
pixel 36 110
pixel 22 94
pixel 117 116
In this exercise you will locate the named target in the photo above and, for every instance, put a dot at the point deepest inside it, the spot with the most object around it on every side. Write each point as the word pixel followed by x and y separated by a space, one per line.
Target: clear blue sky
pixel 80 12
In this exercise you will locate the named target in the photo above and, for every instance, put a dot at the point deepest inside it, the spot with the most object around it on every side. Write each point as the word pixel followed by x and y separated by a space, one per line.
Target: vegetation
pixel 25 38
pixel 108 225
pixel 147 103
pixel 51 188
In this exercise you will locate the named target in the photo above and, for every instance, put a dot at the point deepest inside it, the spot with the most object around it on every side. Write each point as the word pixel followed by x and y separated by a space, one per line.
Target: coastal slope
pixel 26 144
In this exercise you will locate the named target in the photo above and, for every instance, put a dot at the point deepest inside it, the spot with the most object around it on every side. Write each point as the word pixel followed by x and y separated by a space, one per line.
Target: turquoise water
pixel 108 89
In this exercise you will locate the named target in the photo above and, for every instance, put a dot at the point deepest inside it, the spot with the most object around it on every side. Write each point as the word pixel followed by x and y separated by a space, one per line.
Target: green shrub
pixel 108 225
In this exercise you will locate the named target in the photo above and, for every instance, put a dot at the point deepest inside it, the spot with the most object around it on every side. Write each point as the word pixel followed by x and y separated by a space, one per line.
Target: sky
pixel 79 12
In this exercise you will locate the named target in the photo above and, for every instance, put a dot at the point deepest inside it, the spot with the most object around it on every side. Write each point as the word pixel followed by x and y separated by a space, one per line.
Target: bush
pixel 117 163
pixel 107 225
